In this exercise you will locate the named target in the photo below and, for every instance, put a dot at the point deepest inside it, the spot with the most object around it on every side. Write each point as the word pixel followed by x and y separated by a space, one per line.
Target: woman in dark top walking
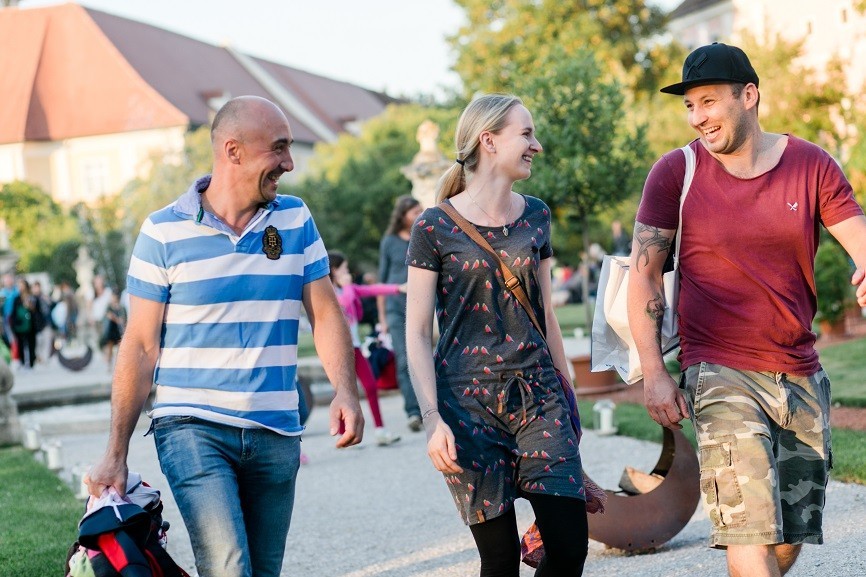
pixel 392 309
pixel 23 321
pixel 495 413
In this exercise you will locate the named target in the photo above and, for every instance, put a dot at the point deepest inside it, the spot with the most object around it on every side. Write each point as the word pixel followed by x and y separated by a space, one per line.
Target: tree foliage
pixel 101 225
pixel 793 99
pixel 832 276
pixel 503 40
pixel 355 180
pixel 111 226
pixel 594 158
pixel 166 181
pixel 35 223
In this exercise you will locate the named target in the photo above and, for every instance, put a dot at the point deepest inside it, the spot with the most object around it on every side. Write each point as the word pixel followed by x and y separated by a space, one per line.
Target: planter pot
pixel 834 329
pixel 588 383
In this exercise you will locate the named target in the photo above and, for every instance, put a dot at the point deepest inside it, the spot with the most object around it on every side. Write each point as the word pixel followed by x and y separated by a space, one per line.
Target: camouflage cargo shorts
pixel 765 455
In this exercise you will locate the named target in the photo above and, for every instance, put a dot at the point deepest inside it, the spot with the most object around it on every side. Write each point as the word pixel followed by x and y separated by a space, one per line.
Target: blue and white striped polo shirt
pixel 228 351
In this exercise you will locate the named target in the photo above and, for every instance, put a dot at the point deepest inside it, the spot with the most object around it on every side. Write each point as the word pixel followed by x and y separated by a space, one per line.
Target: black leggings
pixel 564 530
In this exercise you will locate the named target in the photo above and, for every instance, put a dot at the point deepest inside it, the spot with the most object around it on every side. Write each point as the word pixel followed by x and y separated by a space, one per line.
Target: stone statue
pixel 426 136
pixel 428 164
pixel 4 236
pixel 84 273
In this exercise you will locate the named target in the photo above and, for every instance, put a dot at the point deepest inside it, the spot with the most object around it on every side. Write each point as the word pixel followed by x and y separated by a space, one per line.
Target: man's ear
pixel 232 151
pixel 752 96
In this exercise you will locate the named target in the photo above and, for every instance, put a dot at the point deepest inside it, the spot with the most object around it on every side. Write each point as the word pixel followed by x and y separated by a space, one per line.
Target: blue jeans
pixel 397 328
pixel 235 489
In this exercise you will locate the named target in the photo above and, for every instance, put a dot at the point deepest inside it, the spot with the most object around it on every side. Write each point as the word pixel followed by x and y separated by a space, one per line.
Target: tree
pixel 503 41
pixel 111 226
pixel 36 223
pixel 794 100
pixel 166 180
pixel 361 175
pixel 101 228
pixel 594 157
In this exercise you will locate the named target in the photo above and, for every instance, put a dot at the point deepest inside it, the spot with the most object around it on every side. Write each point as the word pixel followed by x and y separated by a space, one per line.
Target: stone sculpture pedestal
pixel 10 426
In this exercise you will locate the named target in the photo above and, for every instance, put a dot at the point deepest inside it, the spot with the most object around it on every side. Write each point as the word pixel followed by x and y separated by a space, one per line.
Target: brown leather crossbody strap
pixel 512 283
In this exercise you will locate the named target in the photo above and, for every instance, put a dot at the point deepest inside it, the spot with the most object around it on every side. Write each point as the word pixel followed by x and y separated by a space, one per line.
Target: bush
pixel 832 281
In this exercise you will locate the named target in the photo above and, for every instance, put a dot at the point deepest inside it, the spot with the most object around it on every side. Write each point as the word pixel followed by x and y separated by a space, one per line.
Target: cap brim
pixel 680 88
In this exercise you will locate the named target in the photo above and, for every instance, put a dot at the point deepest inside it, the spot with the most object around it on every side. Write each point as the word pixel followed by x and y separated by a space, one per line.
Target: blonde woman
pixel 495 414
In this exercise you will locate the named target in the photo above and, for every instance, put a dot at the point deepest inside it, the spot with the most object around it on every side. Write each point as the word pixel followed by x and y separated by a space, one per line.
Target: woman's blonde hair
pixel 485 113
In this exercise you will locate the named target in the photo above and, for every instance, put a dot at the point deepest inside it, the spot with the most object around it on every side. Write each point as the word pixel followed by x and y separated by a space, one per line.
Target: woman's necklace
pixel 507 216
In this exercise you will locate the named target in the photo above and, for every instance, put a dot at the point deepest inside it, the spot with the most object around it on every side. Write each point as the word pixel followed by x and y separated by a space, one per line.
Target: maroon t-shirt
pixel 747 288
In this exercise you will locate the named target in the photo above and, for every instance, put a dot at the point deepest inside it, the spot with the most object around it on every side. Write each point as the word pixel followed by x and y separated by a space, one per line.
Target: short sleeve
pixel 315 255
pixel 660 200
pixel 423 251
pixel 546 249
pixel 836 200
pixel 147 277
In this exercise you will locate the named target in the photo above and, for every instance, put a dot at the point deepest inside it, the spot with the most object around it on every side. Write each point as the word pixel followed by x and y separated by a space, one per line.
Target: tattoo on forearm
pixel 655 310
pixel 649 237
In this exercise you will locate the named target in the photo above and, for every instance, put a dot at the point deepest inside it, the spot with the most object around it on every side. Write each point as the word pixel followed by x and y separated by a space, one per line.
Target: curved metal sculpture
pixel 647 520
pixel 75 363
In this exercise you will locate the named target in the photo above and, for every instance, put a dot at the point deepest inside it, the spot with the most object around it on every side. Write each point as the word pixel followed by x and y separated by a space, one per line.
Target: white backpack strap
pixel 687 183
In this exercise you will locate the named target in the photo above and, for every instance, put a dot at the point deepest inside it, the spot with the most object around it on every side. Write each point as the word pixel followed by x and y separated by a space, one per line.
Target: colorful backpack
pixel 123 537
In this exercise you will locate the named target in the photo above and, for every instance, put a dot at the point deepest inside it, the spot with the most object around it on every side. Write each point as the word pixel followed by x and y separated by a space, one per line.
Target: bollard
pixel 53 456
pixel 33 438
pixel 603 417
pixel 78 484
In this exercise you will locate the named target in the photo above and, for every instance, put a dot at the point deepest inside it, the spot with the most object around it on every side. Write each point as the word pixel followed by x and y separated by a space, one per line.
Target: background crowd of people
pixel 38 321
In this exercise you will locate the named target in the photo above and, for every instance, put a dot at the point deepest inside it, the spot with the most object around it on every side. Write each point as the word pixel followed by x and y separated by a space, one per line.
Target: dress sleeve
pixel 422 251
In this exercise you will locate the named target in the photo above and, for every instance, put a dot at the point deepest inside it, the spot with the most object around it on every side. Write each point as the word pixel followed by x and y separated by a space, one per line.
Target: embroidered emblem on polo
pixel 272 243
pixel 792 206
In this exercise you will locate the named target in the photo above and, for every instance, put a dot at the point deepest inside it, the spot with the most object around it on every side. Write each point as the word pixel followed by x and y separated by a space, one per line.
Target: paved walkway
pixel 385 512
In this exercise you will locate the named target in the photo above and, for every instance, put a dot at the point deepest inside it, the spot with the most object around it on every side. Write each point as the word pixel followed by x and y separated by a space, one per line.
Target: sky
pixel 394 46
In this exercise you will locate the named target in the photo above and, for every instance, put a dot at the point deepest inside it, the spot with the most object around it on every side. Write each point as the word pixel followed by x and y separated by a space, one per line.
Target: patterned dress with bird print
pixel 495 379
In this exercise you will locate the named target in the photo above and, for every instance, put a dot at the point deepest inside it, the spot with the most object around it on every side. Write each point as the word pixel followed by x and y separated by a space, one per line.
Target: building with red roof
pixel 89 97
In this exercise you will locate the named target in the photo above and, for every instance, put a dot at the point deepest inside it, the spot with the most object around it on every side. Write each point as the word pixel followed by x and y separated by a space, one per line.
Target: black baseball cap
pixel 713 64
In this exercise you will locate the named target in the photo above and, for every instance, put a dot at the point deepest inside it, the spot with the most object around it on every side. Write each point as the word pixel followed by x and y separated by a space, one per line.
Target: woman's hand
pixel 441 447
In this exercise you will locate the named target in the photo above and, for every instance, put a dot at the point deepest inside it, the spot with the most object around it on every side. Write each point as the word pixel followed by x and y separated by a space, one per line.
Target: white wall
pixel 78 169
pixel 83 169
pixel 833 28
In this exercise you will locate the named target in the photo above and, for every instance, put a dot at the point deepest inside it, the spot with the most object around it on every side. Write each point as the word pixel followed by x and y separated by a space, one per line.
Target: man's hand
pixel 859 280
pixel 109 472
pixel 664 401
pixel 345 408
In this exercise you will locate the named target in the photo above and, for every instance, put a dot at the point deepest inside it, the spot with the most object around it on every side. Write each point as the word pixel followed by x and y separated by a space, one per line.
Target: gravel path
pixel 385 512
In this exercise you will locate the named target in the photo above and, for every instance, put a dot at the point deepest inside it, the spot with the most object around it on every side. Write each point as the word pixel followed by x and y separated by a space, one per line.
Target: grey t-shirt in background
pixel 393 270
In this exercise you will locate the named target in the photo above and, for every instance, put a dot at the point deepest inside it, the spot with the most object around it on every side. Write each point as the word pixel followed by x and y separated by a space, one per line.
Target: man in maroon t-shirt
pixel 752 383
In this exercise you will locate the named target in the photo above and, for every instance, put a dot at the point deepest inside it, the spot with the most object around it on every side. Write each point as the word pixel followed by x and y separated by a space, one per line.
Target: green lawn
pixel 40 517
pixel 570 317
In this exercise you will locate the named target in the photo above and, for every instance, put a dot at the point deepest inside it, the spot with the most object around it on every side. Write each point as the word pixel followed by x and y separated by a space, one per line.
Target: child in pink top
pixel 349 295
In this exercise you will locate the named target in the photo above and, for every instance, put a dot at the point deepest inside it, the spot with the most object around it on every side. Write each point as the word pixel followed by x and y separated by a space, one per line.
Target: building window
pixel 95 178
pixel 844 15
pixel 809 27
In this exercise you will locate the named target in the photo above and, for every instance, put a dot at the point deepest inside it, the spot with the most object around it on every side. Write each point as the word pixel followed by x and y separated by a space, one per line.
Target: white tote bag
pixel 613 346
